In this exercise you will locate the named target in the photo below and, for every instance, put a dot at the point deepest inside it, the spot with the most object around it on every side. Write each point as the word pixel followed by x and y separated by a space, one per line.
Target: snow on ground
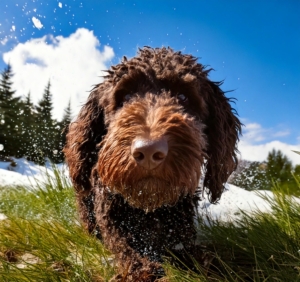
pixel 233 201
pixel 24 173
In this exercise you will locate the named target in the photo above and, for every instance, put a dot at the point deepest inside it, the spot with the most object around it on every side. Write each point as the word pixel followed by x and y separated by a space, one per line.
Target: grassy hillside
pixel 42 240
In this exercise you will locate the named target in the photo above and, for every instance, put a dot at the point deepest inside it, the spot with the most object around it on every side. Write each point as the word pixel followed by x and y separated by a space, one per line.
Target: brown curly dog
pixel 136 153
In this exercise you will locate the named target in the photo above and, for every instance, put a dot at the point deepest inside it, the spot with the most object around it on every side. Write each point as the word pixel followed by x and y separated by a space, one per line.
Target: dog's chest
pixel 152 234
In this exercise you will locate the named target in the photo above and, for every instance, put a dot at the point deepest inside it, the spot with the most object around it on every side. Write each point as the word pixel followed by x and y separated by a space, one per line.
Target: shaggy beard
pixel 151 189
pixel 150 193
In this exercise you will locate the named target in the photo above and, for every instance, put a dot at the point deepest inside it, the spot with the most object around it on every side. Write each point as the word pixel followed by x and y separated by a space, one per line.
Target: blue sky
pixel 253 45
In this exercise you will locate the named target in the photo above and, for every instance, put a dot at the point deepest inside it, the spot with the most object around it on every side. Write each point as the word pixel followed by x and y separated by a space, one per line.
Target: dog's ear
pixel 223 130
pixel 83 135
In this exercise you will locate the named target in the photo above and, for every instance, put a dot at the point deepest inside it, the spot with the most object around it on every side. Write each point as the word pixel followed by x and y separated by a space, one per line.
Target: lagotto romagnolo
pixel 136 153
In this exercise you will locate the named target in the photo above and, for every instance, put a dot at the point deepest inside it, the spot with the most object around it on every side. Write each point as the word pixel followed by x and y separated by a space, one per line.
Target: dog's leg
pixel 131 265
pixel 140 240
pixel 85 207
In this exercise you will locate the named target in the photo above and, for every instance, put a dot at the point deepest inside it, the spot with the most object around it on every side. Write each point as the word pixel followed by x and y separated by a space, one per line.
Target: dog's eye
pixel 182 99
pixel 127 97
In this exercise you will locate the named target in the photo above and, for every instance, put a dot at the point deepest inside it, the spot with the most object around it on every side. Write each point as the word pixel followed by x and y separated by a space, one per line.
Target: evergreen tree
pixel 28 119
pixel 251 176
pixel 61 134
pixel 44 144
pixel 297 170
pixel 277 169
pixel 10 123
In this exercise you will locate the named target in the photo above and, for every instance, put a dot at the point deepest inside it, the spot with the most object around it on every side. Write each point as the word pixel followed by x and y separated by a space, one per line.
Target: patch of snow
pixel 233 202
pixel 37 23
pixel 179 246
pixel 4 41
pixel 26 173
pixel 59 4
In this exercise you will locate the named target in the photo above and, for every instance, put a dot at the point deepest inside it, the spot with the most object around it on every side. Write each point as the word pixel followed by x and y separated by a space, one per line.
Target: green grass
pixel 261 247
pixel 42 240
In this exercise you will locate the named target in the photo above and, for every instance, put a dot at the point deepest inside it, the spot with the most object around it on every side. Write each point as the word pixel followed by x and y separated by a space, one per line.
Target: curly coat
pixel 142 210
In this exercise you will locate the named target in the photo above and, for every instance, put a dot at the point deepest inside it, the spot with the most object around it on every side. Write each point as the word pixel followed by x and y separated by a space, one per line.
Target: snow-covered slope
pixel 234 199
pixel 23 172
pixel 233 202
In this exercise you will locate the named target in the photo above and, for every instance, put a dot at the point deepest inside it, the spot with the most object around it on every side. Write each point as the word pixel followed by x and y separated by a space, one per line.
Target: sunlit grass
pixel 42 240
pixel 260 247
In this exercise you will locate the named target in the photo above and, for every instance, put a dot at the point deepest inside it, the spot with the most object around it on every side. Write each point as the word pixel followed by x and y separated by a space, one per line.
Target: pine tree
pixel 28 119
pixel 279 167
pixel 10 123
pixel 297 170
pixel 251 176
pixel 44 144
pixel 61 133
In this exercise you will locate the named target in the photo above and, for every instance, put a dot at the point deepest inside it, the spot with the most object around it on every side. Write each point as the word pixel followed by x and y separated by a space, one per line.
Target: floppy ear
pixel 223 130
pixel 84 134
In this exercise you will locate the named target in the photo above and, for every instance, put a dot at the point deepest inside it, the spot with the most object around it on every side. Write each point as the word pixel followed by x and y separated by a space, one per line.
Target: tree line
pixel 277 169
pixel 28 130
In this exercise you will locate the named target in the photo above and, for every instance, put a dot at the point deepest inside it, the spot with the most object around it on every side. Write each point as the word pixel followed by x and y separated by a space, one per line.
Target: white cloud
pixel 254 132
pixel 281 133
pixel 37 23
pixel 72 64
pixel 251 150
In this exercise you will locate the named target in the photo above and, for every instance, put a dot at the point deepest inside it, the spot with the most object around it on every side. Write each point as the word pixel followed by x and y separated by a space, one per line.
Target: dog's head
pixel 151 126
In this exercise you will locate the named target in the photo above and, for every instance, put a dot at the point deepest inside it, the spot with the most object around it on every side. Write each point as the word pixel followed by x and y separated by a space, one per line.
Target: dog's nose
pixel 149 153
